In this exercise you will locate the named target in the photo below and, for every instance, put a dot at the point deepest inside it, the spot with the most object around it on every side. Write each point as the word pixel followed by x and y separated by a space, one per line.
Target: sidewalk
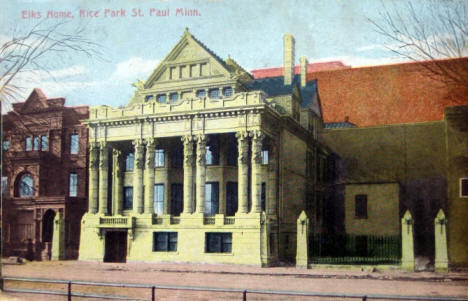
pixel 344 272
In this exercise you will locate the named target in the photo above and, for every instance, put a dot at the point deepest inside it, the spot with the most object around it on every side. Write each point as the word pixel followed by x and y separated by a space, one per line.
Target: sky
pixel 130 47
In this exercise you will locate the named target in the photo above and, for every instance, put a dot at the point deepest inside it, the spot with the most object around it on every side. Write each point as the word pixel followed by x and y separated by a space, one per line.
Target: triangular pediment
pixel 36 101
pixel 189 59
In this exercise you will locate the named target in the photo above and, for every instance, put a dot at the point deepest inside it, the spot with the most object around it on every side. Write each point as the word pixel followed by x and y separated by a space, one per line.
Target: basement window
pixel 164 241
pixel 218 242
pixel 464 187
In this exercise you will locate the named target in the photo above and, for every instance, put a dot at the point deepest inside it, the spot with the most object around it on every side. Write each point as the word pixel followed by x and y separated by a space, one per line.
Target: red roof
pixel 312 67
pixel 387 94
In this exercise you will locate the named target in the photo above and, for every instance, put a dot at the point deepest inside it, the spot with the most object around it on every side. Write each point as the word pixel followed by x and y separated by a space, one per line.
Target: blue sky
pixel 248 30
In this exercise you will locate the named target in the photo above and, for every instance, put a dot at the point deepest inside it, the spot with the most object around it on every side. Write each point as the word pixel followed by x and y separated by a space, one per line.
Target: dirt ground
pixel 351 281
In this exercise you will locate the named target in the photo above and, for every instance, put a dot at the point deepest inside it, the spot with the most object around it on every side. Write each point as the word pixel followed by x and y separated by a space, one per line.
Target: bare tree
pixel 433 31
pixel 31 51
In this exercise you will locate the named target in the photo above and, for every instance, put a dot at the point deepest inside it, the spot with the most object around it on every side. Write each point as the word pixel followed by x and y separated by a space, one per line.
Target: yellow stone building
pixel 205 164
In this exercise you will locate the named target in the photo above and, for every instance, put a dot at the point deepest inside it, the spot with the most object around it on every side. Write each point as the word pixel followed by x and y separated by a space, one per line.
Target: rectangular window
pixel 231 152
pixel 212 150
pixel 218 242
pixel 164 241
pixel 128 198
pixel 227 91
pixel 177 199
pixel 203 69
pixel 263 196
pixel 129 161
pixel 74 144
pixel 211 198
pixel 265 158
pixel 44 142
pixel 36 142
pixel 361 206
pixel 159 157
pixel 158 199
pixel 6 145
pixel 173 97
pixel 161 98
pixel 149 97
pixel 201 93
pixel 231 198
pixel 73 186
pixel 464 187
pixel 213 93
pixel 28 144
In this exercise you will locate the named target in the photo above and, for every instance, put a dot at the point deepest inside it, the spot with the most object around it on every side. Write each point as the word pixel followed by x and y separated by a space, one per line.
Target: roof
pixel 311 67
pixel 274 86
pixel 338 125
pixel 386 94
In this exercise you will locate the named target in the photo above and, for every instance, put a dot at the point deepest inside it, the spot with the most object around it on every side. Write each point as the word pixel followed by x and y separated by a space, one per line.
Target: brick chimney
pixel 303 71
pixel 288 59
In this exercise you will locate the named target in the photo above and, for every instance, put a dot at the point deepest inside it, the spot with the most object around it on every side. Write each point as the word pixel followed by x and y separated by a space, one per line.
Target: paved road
pixel 242 277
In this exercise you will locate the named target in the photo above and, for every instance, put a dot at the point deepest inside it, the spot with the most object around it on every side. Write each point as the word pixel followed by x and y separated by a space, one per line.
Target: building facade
pixel 383 171
pixel 44 174
pixel 205 164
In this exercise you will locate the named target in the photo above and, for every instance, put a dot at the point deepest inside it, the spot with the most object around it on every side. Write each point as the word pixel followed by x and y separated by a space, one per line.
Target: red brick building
pixel 379 95
pixel 44 172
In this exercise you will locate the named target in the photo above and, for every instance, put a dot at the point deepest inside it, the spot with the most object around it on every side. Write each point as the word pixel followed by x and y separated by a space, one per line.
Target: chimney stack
pixel 303 71
pixel 288 63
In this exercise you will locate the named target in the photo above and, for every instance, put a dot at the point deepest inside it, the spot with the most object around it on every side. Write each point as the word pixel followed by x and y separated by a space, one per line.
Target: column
pixel 117 195
pixel 103 176
pixel 256 161
pixel 138 177
pixel 272 178
pixel 242 170
pixel 201 173
pixel 188 174
pixel 93 177
pixel 149 176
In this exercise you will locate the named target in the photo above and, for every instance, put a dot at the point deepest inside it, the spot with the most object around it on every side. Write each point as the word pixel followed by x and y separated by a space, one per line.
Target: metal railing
pixel 354 249
pixel 244 292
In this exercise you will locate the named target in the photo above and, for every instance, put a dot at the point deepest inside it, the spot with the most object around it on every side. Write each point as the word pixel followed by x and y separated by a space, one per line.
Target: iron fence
pixel 243 293
pixel 354 249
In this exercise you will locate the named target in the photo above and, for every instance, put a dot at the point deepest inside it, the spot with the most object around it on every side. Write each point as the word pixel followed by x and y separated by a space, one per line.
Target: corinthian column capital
pixel 188 149
pixel 201 149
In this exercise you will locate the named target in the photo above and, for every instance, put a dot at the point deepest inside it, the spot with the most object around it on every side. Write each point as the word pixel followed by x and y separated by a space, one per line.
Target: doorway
pixel 115 246
pixel 48 226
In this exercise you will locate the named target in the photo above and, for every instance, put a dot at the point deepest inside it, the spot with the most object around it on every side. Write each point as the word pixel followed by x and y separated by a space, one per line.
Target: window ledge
pixel 219 254
pixel 167 252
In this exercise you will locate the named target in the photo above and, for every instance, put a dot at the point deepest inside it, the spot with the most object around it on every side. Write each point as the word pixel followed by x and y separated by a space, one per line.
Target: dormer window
pixel 149 97
pixel 174 97
pixel 201 93
pixel 227 91
pixel 214 93
pixel 161 98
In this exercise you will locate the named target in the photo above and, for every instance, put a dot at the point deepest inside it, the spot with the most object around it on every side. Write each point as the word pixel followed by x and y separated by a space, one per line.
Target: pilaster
pixel 117 195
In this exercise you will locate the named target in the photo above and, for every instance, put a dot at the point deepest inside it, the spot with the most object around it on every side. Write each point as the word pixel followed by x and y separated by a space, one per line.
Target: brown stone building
pixel 44 173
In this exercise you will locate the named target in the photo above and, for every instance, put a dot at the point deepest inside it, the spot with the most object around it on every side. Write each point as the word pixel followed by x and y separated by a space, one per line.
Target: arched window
pixel 26 186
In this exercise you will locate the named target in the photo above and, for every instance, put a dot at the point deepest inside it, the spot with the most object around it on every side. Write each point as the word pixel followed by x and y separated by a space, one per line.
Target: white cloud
pixel 63 73
pixel 133 68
